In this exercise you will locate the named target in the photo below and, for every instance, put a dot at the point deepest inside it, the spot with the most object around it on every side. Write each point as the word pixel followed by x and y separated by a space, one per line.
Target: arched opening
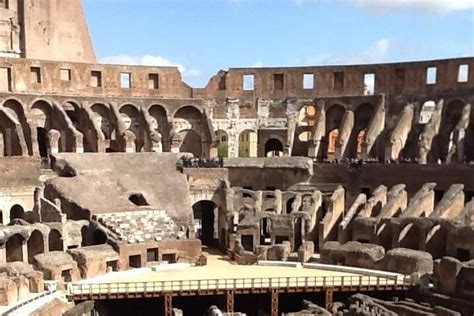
pixel 332 142
pixel 436 242
pixel 307 116
pixel 100 238
pixel 409 237
pixel 334 116
pixel 41 116
pixel 138 199
pixel 360 142
pixel 451 133
pixel 273 148
pixel 190 142
pixel 265 231
pixel 16 110
pixel 205 220
pixel 72 112
pixel 362 117
pixel 102 119
pixel 248 141
pixel 427 110
pixel 14 248
pixel 17 212
pixel 222 143
pixel 160 119
pixel 130 117
pixel 289 205
pixel 55 241
pixel 35 245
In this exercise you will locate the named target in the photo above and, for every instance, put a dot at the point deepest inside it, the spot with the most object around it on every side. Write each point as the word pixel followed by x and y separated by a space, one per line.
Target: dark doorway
pixel 204 218
pixel 152 255
pixel 35 245
pixel 55 241
pixel 14 248
pixel 247 242
pixel 135 261
pixel 463 254
pixel 169 257
pixel 273 148
pixel 16 212
pixel 42 135
pixel 66 276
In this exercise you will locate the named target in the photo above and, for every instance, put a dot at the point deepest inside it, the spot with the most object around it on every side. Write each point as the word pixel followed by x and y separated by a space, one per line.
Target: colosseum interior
pixel 124 188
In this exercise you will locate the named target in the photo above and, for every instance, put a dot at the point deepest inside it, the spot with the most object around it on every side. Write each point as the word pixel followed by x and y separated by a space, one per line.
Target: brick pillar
pixel 329 298
pixel 229 301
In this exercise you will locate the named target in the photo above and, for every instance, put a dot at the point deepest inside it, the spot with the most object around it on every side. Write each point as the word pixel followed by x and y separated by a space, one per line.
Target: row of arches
pixel 35 244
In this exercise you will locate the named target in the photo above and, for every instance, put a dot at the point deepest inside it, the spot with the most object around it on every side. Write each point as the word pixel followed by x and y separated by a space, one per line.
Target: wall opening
pixel 14 248
pixel 125 80
pixel 138 199
pixel 273 148
pixel 96 79
pixel 369 84
pixel 248 144
pixel 308 81
pixel 4 4
pixel 463 73
pixel 55 241
pixel 281 239
pixel 169 257
pixel 65 74
pixel 265 226
pixel 153 81
pixel 35 245
pixel 66 276
pixel 338 80
pixel 427 111
pixel 278 81
pixel 205 221
pixel 247 242
pixel 17 212
pixel 248 82
pixel 35 73
pixel 5 80
pixel 135 261
pixel 463 255
pixel 152 255
pixel 431 75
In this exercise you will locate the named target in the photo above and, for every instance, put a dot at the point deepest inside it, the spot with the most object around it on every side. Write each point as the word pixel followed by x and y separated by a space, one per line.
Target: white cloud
pixel 387 6
pixel 258 64
pixel 150 60
pixel 376 53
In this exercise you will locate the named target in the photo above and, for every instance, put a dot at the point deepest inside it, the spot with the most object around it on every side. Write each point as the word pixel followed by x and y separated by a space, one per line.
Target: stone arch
pixel 16 109
pixel 35 245
pixel 307 115
pixel 14 248
pixel 72 110
pixel 436 241
pixel 273 148
pixel 160 116
pixel 102 117
pixel 188 112
pixel 446 140
pixel 190 142
pixel 409 237
pixel 222 143
pixel 17 212
pixel 99 237
pixel 55 241
pixel 205 214
pixel 289 205
pixel 248 143
pixel 41 116
pixel 334 116
pixel 131 117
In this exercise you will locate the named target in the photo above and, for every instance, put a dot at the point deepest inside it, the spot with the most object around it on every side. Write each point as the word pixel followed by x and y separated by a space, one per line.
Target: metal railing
pixel 27 302
pixel 236 284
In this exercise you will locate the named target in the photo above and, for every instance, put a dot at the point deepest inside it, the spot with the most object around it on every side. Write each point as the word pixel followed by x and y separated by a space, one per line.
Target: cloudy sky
pixel 203 36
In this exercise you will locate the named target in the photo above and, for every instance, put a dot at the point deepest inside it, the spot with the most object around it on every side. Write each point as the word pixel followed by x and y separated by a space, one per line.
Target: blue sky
pixel 203 36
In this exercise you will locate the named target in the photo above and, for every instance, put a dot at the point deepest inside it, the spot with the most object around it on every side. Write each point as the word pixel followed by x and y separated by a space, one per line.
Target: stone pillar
pixel 319 132
pixel 53 141
pixel 2 148
pixel 429 133
pixel 168 305
pixel 24 249
pixel 375 128
pixel 400 133
pixel 278 202
pixel 229 301
pixel 274 303
pixel 345 131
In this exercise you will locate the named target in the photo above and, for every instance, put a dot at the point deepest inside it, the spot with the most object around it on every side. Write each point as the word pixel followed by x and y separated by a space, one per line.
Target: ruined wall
pixel 55 30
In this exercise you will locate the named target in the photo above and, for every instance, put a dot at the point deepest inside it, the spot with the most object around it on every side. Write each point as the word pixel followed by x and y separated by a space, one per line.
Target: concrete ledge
pixel 286 264
pixel 368 272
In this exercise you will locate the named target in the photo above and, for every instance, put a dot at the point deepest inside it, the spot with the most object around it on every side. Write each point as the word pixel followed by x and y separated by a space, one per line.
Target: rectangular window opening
pixel 248 82
pixel 125 80
pixel 338 80
pixel 431 74
pixel 278 81
pixel 153 81
pixel 96 79
pixel 5 80
pixel 35 74
pixel 463 73
pixel 65 74
pixel 369 84
pixel 308 81
pixel 4 4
